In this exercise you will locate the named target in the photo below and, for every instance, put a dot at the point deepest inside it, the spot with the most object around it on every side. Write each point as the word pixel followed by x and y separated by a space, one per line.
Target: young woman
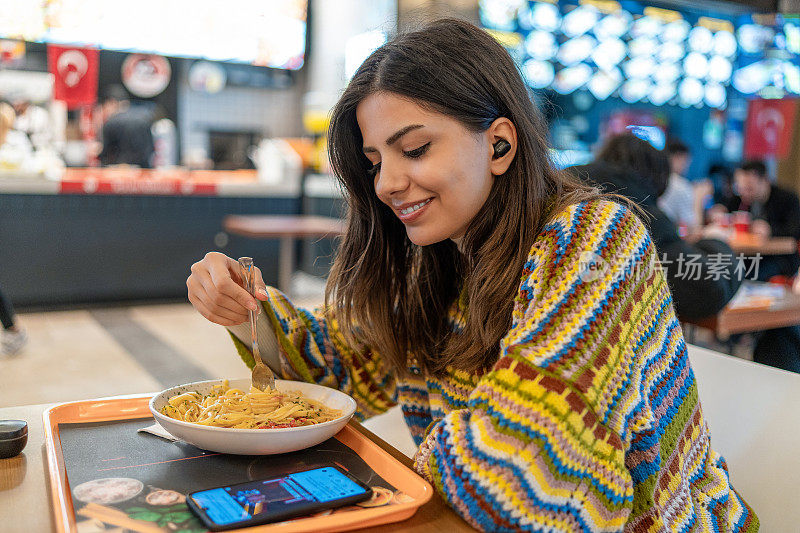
pixel 498 301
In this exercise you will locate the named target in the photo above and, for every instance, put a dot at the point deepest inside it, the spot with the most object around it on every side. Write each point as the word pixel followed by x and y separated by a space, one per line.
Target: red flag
pixel 75 72
pixel 769 127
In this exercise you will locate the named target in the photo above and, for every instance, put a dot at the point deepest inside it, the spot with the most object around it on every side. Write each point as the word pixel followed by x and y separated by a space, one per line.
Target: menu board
pixel 270 33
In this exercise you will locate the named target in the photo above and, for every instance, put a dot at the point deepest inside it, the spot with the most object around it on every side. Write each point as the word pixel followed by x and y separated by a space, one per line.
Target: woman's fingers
pixel 214 292
pixel 221 274
pixel 205 306
pixel 217 300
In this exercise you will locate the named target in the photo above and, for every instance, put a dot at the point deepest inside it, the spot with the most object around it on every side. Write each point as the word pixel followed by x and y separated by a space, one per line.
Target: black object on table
pixel 13 437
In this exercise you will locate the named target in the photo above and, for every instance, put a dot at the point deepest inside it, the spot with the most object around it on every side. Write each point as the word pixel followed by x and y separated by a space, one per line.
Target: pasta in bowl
pixel 228 417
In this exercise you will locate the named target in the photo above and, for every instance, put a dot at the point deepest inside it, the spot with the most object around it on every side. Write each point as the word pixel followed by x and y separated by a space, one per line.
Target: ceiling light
pixel 613 25
pixel 690 92
pixel 635 90
pixel 720 69
pixel 695 65
pixel 724 43
pixel 605 82
pixel 541 45
pixel 675 31
pixel 609 53
pixel 576 50
pixel 572 78
pixel 579 21
pixel 701 39
pixel 538 74
pixel 715 95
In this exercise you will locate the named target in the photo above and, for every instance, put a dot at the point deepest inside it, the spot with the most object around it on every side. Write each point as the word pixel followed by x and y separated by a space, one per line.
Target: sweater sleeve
pixel 536 447
pixel 311 348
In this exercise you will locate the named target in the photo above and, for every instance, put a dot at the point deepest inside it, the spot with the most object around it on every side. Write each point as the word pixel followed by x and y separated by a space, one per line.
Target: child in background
pixel 503 304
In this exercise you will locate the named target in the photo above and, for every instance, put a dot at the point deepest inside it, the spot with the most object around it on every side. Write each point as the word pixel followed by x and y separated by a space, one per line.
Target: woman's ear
pixel 502 137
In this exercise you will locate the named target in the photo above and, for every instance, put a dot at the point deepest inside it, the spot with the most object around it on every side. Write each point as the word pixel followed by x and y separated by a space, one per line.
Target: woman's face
pixel 432 171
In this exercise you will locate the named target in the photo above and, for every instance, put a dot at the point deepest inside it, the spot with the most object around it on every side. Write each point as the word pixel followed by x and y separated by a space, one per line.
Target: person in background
pixel 774 212
pixel 35 122
pixel 14 337
pixel 721 178
pixel 15 145
pixel 501 302
pixel 678 199
pixel 127 135
pixel 632 167
pixel 716 188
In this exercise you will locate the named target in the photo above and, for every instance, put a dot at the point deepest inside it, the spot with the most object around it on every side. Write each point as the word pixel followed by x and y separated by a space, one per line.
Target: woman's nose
pixel 390 180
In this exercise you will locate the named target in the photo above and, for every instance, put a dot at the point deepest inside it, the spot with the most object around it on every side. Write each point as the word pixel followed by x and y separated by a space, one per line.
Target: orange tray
pixel 135 407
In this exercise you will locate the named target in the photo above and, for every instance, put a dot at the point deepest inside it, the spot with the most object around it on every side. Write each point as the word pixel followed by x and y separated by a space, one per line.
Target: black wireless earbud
pixel 501 148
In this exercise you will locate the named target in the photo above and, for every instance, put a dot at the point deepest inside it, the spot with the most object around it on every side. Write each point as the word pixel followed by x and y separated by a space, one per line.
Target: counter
pixel 102 235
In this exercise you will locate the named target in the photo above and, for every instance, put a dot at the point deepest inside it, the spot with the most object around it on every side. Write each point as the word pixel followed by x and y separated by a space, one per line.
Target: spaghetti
pixel 234 408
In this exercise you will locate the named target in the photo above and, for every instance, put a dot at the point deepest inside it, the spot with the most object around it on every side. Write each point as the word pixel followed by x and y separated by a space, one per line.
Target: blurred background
pixel 132 132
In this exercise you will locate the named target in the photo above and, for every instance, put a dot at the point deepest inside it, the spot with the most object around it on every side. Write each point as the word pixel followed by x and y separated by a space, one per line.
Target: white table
pixel 754 415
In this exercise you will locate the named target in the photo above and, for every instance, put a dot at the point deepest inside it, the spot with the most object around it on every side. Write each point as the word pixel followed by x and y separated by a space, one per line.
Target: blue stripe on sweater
pixel 664 349
pixel 451 400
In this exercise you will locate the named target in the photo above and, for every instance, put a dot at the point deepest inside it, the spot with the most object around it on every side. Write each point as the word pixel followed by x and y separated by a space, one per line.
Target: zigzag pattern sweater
pixel 589 420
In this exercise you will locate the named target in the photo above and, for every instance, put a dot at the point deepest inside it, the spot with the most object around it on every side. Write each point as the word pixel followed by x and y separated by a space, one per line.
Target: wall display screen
pixel 640 53
pixel 268 33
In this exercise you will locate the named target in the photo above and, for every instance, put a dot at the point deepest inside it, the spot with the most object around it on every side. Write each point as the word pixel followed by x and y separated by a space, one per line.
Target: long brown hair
pixel 393 295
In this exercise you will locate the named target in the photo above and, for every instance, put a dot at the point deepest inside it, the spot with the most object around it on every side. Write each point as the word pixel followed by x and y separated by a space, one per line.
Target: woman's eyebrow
pixel 395 136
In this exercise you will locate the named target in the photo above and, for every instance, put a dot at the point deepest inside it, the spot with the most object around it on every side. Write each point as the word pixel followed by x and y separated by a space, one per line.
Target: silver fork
pixel 262 377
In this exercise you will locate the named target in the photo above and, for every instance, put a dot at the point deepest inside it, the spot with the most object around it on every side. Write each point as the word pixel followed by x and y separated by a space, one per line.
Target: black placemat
pixel 146 477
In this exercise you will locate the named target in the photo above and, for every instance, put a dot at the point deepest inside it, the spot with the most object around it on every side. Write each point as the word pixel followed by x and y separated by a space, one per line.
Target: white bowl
pixel 255 441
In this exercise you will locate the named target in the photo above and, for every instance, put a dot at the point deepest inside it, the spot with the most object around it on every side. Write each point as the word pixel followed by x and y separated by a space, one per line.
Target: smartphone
pixel 272 500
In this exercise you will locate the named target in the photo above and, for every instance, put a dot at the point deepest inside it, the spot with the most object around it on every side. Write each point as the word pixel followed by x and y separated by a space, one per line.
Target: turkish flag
pixel 769 127
pixel 75 72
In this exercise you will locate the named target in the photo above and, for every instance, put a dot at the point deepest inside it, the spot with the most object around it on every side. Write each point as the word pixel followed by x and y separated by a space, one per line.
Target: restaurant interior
pixel 228 106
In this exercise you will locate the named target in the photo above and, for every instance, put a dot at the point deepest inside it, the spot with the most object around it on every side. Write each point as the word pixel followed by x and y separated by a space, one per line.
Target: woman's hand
pixel 216 290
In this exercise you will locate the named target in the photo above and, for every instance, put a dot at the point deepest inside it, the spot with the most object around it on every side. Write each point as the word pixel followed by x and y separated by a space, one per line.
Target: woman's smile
pixel 411 211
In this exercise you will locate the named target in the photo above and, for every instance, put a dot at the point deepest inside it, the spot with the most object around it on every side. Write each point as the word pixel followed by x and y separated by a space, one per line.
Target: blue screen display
pixel 228 505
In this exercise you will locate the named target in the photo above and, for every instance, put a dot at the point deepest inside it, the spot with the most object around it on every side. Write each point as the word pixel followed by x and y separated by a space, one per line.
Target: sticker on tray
pixel 380 497
pixel 165 497
pixel 108 490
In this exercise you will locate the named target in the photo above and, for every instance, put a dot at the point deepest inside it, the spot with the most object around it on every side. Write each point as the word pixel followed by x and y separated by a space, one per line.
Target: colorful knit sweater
pixel 589 420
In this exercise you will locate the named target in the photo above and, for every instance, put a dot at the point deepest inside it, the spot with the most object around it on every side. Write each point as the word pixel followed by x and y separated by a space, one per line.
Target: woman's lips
pixel 414 215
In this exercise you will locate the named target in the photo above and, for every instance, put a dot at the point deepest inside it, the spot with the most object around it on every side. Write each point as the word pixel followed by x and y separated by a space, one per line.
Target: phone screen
pixel 282 497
